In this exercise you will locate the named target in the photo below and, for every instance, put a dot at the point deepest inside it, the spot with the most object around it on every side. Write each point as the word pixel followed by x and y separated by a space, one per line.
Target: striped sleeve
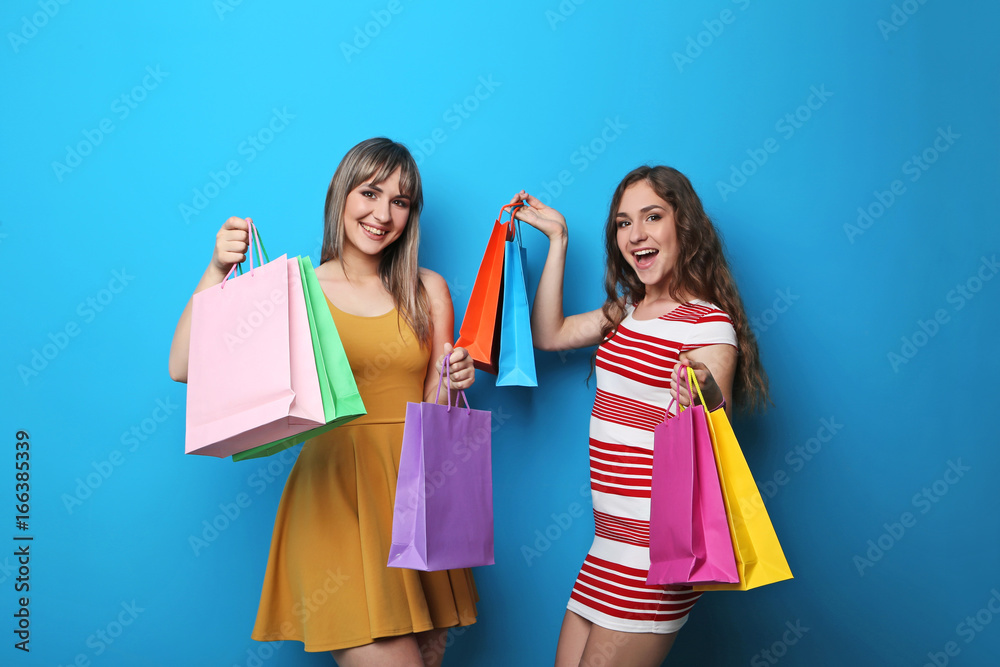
pixel 712 327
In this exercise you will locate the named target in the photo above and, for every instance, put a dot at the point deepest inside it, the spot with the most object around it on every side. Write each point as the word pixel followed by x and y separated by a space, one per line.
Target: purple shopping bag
pixel 443 514
pixel 252 375
pixel 689 538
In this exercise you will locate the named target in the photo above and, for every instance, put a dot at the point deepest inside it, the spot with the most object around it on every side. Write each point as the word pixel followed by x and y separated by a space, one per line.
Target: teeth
pixel 373 230
pixel 643 253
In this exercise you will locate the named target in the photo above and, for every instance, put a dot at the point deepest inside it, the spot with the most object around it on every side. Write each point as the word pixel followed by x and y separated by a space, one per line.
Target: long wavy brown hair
pixel 701 272
pixel 374 160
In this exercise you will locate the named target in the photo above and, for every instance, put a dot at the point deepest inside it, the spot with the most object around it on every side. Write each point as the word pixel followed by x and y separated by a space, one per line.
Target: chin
pixel 648 277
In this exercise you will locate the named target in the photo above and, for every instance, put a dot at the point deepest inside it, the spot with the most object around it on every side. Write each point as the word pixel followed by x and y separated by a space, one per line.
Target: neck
pixel 358 265
pixel 660 294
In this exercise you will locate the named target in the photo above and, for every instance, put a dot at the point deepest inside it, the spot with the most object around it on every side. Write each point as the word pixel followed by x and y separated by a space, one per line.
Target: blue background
pixel 683 84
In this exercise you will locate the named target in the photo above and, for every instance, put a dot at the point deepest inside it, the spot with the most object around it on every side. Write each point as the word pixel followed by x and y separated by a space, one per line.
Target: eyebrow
pixel 622 214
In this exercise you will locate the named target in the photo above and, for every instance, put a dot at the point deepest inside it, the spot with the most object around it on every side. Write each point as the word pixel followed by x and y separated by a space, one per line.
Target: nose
pixel 637 233
pixel 381 210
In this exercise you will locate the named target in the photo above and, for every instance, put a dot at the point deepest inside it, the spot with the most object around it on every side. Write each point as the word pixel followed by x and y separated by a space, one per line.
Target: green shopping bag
pixel 341 400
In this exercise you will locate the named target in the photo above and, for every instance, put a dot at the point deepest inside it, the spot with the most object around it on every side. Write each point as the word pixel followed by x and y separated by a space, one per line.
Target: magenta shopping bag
pixel 252 375
pixel 689 538
pixel 443 514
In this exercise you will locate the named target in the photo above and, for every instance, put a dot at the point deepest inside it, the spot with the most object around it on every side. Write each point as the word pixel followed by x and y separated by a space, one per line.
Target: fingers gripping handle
pixel 690 379
pixel 512 225
pixel 262 256
pixel 693 379
pixel 446 370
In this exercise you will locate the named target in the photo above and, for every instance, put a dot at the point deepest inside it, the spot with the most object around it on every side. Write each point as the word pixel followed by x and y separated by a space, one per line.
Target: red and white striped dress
pixel 633 392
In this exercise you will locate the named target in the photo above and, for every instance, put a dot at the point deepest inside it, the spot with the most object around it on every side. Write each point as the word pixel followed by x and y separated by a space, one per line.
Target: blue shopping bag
pixel 517 355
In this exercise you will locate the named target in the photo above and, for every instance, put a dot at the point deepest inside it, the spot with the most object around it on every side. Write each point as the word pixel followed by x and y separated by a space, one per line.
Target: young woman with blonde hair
pixel 327 583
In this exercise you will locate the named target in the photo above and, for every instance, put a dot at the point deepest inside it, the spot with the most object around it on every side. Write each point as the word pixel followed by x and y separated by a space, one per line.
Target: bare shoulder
pixel 329 270
pixel 438 294
pixel 433 282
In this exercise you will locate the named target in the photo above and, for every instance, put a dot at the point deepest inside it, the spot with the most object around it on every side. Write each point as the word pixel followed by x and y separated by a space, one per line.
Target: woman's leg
pixel 423 649
pixel 636 649
pixel 402 651
pixel 572 640
pixel 432 644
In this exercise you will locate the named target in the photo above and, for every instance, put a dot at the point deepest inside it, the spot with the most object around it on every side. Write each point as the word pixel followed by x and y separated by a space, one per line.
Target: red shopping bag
pixel 480 332
pixel 252 376
pixel 689 539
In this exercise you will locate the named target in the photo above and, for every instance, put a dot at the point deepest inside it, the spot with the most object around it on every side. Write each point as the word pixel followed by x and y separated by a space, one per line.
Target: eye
pixel 402 203
pixel 653 217
pixel 623 223
pixel 368 193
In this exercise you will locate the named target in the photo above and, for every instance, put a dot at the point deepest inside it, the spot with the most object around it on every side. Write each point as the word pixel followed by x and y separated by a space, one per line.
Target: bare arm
pixel 462 372
pixel 550 328
pixel 715 368
pixel 230 248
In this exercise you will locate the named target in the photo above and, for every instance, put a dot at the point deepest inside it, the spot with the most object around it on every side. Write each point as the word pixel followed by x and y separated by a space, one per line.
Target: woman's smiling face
pixel 375 215
pixel 647 236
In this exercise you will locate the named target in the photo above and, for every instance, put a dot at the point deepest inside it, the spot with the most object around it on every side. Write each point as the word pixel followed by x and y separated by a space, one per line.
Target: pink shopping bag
pixel 689 538
pixel 252 375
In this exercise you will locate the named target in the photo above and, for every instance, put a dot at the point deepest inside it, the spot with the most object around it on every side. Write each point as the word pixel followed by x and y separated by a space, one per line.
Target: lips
pixel 644 257
pixel 373 232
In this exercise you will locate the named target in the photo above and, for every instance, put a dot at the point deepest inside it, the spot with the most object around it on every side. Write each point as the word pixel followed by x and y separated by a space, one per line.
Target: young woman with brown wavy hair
pixel 671 302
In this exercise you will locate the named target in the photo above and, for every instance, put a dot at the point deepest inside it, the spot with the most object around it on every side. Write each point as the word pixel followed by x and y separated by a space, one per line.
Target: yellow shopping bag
pixel 759 558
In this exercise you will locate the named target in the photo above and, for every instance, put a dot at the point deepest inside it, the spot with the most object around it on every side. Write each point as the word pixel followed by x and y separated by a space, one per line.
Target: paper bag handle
pixel 690 379
pixel 512 223
pixel 446 370
pixel 693 380
pixel 262 256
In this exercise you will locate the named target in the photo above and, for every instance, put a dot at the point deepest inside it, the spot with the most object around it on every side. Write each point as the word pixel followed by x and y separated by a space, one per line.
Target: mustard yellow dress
pixel 327 583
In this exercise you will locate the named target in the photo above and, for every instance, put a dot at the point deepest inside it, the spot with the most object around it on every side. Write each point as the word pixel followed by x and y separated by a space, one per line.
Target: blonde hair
pixel 374 160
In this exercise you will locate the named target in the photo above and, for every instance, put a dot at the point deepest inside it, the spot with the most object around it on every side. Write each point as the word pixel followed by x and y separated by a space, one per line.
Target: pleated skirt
pixel 327 584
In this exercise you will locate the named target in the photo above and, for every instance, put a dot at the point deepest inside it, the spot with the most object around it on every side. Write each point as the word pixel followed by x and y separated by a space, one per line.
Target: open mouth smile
pixel 644 257
pixel 373 232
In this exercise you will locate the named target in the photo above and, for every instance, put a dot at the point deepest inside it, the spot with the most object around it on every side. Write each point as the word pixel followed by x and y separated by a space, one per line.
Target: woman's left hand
pixel 461 371
pixel 709 388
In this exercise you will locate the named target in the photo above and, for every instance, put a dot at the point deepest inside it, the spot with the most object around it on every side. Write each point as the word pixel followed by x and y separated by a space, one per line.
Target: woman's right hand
pixel 231 244
pixel 544 218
